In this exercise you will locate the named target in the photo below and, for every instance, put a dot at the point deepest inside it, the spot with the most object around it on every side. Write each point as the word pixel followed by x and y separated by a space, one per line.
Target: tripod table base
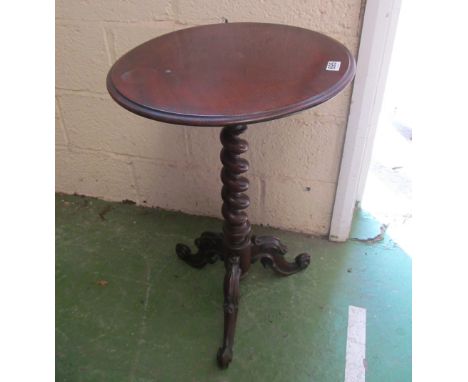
pixel 268 249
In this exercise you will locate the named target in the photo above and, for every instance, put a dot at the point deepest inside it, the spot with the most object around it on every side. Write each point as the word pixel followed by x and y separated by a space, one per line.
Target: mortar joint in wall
pixel 109 44
pixel 62 123
pixel 82 93
pixel 117 156
pixel 135 183
pixel 175 9
pixel 261 197
pixel 188 148
pixel 65 21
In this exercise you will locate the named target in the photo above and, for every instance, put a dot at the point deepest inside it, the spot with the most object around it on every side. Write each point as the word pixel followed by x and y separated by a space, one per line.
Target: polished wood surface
pixel 228 74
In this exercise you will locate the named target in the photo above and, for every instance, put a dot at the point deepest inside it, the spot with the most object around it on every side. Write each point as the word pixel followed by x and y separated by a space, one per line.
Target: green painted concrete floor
pixel 127 309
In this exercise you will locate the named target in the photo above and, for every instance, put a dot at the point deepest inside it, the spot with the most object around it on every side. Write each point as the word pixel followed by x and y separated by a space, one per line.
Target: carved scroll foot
pixel 231 304
pixel 210 249
pixel 270 251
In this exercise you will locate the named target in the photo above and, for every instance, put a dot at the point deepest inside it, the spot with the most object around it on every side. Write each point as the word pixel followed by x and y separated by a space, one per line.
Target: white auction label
pixel 333 66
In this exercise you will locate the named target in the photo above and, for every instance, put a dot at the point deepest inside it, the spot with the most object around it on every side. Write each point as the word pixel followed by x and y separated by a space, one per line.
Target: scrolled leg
pixel 210 249
pixel 230 306
pixel 270 251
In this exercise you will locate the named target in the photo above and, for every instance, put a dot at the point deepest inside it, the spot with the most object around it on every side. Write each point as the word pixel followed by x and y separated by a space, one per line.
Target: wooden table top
pixel 225 74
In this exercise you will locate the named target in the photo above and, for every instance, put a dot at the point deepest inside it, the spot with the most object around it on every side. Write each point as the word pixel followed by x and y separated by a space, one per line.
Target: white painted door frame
pixel 378 34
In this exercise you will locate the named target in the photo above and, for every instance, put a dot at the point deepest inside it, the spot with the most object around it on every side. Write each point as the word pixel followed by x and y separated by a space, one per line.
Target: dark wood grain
pixel 236 229
pixel 229 75
pixel 270 251
pixel 235 245
pixel 225 74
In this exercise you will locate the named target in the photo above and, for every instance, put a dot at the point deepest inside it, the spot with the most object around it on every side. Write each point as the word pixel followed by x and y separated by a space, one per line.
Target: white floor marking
pixel 355 370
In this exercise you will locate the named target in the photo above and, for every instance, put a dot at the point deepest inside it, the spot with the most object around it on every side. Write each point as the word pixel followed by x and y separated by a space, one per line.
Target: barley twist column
pixel 236 229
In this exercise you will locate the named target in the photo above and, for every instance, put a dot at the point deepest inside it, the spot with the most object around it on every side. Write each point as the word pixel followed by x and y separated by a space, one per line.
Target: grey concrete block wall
pixel 104 151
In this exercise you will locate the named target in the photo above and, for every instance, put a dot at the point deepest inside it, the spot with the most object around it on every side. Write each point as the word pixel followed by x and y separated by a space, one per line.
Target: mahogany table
pixel 232 75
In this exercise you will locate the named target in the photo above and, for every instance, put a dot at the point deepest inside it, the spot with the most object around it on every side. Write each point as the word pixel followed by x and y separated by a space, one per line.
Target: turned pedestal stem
pixel 236 229
pixel 235 245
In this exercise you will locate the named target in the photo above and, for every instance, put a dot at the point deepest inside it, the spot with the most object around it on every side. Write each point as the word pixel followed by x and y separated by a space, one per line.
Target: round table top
pixel 230 73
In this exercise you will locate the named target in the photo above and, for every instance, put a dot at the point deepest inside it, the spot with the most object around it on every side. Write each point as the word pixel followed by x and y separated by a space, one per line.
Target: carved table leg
pixel 235 245
pixel 270 251
pixel 236 230
pixel 210 249
pixel 230 306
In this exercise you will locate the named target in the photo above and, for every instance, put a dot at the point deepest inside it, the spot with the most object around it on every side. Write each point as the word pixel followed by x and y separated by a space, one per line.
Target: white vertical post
pixel 378 34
